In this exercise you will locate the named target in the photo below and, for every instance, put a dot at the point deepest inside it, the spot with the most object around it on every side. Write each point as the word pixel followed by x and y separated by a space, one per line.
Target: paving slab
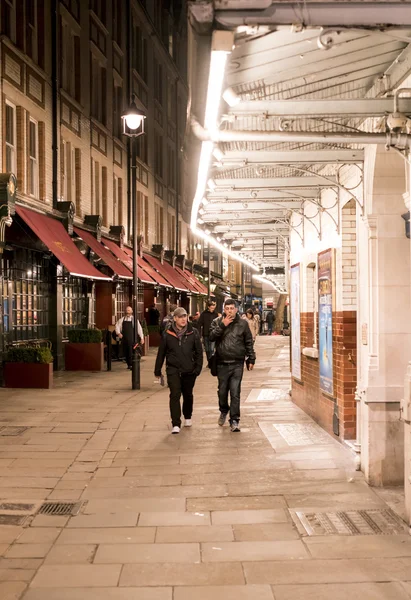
pixel 65 576
pixel 98 593
pixel 341 591
pixel 180 574
pixel 226 592
pixel 147 553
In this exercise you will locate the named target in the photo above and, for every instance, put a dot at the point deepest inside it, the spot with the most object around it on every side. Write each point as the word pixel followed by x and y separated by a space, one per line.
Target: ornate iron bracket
pixel 94 222
pixel 68 209
pixel 8 186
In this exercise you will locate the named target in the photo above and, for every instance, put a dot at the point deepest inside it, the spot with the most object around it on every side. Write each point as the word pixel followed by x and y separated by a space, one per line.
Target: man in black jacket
pixel 204 324
pixel 234 343
pixel 182 349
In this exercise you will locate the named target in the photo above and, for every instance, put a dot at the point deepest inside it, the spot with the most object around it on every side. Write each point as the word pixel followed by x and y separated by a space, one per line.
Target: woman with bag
pixel 253 323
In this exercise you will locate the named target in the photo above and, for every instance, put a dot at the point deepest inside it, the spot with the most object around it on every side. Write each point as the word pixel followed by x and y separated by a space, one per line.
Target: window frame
pixel 33 161
pixel 12 147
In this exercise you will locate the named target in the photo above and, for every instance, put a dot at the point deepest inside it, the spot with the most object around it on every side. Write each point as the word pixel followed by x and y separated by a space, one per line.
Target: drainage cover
pixel 12 431
pixel 12 519
pixel 350 522
pixel 296 434
pixel 60 508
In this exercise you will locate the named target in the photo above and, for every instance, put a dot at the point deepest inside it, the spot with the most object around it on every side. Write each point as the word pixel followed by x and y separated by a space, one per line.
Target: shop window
pixel 26 292
pixel 11 136
pixel 75 304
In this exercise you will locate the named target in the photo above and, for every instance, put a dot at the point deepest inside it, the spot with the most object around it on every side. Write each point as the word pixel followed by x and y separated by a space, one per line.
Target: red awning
pixel 190 283
pixel 52 233
pixel 201 287
pixel 143 264
pixel 127 260
pixel 111 261
pixel 170 274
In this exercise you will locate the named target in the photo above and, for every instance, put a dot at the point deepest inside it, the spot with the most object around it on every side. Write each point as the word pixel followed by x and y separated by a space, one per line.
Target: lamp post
pixel 133 126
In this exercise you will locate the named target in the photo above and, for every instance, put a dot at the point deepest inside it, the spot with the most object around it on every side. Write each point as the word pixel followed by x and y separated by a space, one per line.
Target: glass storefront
pixel 25 296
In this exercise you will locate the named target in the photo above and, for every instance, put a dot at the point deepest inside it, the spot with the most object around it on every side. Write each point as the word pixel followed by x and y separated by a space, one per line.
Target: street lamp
pixel 133 126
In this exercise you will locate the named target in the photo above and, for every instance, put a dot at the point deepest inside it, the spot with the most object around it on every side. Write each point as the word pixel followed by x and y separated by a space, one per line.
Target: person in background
pixel 234 345
pixel 204 323
pixel 253 322
pixel 182 350
pixel 194 319
pixel 125 332
pixel 270 321
pixel 167 319
pixel 153 315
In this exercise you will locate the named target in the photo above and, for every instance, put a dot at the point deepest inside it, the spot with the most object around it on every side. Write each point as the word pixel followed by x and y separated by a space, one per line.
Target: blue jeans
pixel 208 347
pixel 229 380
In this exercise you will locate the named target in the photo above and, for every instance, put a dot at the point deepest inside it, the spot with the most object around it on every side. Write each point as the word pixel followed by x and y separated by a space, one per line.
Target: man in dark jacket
pixel 182 349
pixel 270 321
pixel 234 343
pixel 204 324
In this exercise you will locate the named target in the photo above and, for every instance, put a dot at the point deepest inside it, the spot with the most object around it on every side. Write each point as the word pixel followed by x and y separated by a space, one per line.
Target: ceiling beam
pixel 327 14
pixel 274 182
pixel 245 195
pixel 321 108
pixel 265 157
pixel 273 227
pixel 249 205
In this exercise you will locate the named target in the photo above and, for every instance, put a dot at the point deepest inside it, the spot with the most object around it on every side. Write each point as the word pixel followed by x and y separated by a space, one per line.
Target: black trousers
pixel 128 351
pixel 230 377
pixel 181 385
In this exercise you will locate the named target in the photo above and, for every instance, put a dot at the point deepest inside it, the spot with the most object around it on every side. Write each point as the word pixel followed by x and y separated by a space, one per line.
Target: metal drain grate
pixel 12 431
pixel 12 519
pixel 350 522
pixel 59 509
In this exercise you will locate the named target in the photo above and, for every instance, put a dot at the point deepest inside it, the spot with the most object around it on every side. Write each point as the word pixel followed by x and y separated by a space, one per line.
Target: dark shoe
pixel 222 419
pixel 235 427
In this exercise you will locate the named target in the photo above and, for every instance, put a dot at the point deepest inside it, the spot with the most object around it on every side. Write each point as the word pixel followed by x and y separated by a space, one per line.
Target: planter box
pixel 155 339
pixel 84 357
pixel 28 375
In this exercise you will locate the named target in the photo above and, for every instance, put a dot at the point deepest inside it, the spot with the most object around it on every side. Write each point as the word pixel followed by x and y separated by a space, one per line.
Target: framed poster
pixel 295 322
pixel 325 320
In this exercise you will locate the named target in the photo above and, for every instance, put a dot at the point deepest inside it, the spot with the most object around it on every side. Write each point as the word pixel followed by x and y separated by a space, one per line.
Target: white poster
pixel 295 322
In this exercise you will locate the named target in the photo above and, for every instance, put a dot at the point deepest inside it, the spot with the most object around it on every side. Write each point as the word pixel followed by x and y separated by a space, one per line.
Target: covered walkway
pixel 207 514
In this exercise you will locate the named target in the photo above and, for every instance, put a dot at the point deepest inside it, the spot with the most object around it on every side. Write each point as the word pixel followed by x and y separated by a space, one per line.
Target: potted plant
pixel 84 350
pixel 28 367
pixel 146 345
pixel 154 335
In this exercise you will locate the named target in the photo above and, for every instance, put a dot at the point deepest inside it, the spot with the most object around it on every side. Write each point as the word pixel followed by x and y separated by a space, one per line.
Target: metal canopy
pixel 306 100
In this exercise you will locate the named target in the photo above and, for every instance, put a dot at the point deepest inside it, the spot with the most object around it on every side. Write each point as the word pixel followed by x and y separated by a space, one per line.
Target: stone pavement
pixel 206 515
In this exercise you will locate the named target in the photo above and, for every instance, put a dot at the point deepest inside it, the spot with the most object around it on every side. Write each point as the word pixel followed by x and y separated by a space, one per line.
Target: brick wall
pixel 307 394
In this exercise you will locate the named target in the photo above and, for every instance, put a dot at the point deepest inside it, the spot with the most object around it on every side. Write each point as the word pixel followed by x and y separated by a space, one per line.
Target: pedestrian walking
pixel 125 332
pixel 182 350
pixel 253 322
pixel 234 345
pixel 270 321
pixel 168 319
pixel 204 323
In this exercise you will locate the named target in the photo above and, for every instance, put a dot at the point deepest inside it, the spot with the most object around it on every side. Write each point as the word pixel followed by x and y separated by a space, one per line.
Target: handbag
pixel 212 364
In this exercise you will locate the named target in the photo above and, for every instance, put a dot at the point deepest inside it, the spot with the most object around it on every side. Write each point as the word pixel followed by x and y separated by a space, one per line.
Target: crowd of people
pixel 227 339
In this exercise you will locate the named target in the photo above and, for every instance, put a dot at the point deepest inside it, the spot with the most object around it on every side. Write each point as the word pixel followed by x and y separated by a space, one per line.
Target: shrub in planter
pixel 85 336
pixel 84 350
pixel 28 367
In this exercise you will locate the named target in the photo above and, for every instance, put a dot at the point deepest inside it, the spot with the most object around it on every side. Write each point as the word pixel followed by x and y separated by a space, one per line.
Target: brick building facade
pixel 69 69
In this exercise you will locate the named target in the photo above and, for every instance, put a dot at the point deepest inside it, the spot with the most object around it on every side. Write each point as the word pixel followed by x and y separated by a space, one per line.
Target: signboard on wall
pixel 295 322
pixel 325 325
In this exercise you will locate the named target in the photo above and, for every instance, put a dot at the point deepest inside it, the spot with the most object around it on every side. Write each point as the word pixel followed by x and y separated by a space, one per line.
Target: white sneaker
pixel 188 423
pixel 175 429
